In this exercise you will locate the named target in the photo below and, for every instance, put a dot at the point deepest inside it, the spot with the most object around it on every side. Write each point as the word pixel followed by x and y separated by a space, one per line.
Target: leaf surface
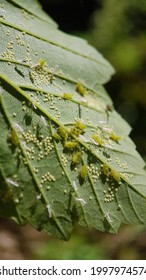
pixel 65 154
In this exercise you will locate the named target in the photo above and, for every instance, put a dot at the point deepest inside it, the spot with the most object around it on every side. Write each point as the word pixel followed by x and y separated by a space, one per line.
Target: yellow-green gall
pixel 80 89
pixel 98 139
pixel 105 169
pixel 70 144
pixel 76 157
pixel 83 172
pixel 115 175
pixel 115 137
pixel 67 96
pixel 62 132
pixel 14 137
pixel 78 128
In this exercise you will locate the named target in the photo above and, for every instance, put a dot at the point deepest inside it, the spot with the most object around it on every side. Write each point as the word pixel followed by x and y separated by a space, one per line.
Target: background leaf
pixel 65 153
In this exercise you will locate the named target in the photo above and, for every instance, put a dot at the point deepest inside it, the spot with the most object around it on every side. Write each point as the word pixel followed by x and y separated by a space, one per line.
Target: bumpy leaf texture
pixel 65 154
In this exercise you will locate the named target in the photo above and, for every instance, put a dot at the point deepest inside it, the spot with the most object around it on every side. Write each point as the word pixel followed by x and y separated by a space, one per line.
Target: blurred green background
pixel 118 30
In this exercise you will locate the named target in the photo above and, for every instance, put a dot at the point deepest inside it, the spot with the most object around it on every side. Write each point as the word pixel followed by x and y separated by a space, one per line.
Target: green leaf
pixel 65 154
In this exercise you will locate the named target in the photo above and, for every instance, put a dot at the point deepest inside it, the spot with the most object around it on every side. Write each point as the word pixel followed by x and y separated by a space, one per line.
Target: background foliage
pixel 122 38
pixel 124 47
